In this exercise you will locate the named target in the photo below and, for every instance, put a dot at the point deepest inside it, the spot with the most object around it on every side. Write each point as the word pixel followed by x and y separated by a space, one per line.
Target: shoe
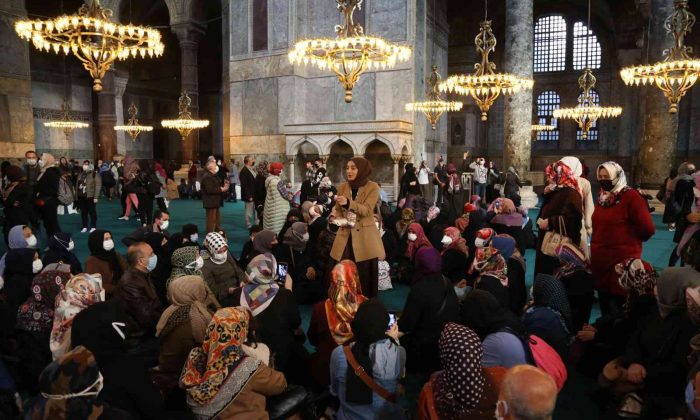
pixel 123 218
pixel 92 230
pixel 83 230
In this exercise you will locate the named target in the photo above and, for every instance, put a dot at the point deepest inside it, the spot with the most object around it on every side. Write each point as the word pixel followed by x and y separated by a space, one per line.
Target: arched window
pixel 550 44
pixel 593 132
pixel 547 102
pixel 259 25
pixel 585 45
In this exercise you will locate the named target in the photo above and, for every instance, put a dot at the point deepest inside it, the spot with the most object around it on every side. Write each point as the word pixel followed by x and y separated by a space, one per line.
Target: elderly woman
pixel 330 319
pixel 621 223
pixel 276 200
pixel 104 260
pixel 300 264
pixel 46 190
pixel 504 218
pixel 218 377
pixel 221 271
pixel 358 238
pixel 186 261
pixel 60 251
pixel 491 270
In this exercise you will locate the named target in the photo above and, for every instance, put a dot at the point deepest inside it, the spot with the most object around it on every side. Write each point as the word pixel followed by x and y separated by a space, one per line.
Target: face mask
pixel 86 167
pixel 71 246
pixel 194 237
pixel 31 241
pixel 220 258
pixel 152 262
pixel 31 162
pixel 412 237
pixel 108 245
pixel 37 265
pixel 479 243
pixel 606 184
pixel 305 237
pixel 446 240
pixel 461 292
pixel 40 163
pixel 164 224
pixel 197 264
pixel 218 162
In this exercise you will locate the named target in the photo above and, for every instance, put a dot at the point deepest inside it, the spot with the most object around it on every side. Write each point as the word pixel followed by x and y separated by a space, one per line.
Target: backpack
pixel 542 355
pixel 154 186
pixel 66 195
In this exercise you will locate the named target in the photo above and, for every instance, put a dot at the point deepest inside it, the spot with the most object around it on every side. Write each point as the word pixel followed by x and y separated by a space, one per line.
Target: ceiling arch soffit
pixel 293 146
pixel 340 138
pixel 366 142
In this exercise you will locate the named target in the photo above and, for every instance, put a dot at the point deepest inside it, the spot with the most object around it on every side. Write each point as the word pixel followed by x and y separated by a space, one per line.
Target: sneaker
pixel 83 230
pixel 123 218
pixel 672 229
pixel 92 230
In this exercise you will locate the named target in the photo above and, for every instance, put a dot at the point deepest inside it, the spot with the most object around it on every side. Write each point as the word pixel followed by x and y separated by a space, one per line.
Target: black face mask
pixel 333 227
pixel 606 184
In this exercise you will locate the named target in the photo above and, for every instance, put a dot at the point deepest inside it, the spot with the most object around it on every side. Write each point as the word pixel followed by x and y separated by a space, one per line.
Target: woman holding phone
pixel 358 237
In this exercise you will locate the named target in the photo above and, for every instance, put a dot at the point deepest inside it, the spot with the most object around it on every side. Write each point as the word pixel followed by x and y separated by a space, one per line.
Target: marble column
pixel 396 159
pixel 119 88
pixel 657 152
pixel 189 34
pixel 107 118
pixel 518 55
pixel 16 114
pixel 290 160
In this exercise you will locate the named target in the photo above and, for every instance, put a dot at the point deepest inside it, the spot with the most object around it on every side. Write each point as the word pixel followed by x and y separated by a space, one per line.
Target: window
pixel 593 132
pixel 359 16
pixel 457 138
pixel 586 48
pixel 550 44
pixel 259 25
pixel 547 102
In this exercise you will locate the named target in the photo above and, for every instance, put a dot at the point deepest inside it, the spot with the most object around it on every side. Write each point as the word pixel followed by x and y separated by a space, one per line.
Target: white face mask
pixel 446 240
pixel 71 245
pixel 196 264
pixel 194 237
pixel 108 245
pixel 31 241
pixel 305 237
pixel 164 224
pixel 37 265
pixel 86 167
pixel 220 258
pixel 479 243
pixel 40 163
pixel 412 237
pixel 31 162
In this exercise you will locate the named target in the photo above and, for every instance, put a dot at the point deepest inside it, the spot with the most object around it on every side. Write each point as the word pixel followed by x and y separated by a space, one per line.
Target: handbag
pixel 287 403
pixel 553 240
pixel 360 371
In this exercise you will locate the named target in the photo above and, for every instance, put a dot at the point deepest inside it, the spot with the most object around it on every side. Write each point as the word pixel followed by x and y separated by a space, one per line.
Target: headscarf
pixel 16 240
pixel 364 171
pixel 458 243
pixel 489 262
pixel 619 181
pixel 433 213
pixel 101 328
pixel 183 263
pixel 670 294
pixel 59 243
pixel 276 168
pixel 344 297
pixel 294 237
pixel 209 366
pixel 14 174
pixel 421 240
pixel 481 312
pixel 408 216
pixel 368 326
pixel 692 300
pixel 454 181
pixel 37 312
pixel 507 214
pixel 79 292
pixel 637 275
pixel 505 245
pixel 461 224
pixel 263 241
pixel 487 234
pixel 574 164
pixel 188 296
pixel 549 292
pixel 159 170
pixel 97 250
pixel 561 176
pixel 571 260
pixel 504 205
pixel 261 288
pixel 469 208
pixel 325 183
pixel 70 387
pixel 48 161
pixel 460 385
pixel 427 262
pixel 262 169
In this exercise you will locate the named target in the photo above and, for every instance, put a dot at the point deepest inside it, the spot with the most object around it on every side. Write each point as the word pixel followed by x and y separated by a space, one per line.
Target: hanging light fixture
pixel 536 128
pixel 679 71
pixel 92 37
pixel 434 106
pixel 351 52
pixel 66 122
pixel 133 127
pixel 485 85
pixel 184 123
pixel 587 112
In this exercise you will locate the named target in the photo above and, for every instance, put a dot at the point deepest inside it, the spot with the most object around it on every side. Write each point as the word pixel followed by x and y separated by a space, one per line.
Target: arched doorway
pixel 340 153
pixel 307 152
pixel 379 155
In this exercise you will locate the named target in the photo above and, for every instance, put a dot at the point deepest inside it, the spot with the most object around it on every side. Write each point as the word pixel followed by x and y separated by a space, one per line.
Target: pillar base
pixel 528 198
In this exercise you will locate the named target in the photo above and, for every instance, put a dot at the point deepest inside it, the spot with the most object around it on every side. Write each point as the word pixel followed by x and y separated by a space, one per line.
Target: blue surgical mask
pixel 152 262
pixel 461 292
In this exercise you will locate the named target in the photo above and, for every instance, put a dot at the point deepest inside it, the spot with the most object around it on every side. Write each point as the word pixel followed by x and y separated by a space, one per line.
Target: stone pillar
pixel 657 152
pixel 189 34
pixel 396 159
pixel 290 160
pixel 119 88
pixel 16 114
pixel 518 55
pixel 106 118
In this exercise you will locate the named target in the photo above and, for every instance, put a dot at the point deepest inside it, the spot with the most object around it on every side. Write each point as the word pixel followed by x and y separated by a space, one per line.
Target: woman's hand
pixel 288 282
pixel 543 224
pixel 311 273
pixel 636 373
pixel 341 200
pixel 587 333
pixel 394 332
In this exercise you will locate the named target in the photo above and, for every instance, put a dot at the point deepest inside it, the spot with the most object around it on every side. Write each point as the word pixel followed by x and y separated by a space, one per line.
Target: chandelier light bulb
pixel 184 123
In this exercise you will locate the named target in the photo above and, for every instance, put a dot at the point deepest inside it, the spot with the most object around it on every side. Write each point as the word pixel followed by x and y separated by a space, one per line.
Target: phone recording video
pixel 392 319
pixel 282 269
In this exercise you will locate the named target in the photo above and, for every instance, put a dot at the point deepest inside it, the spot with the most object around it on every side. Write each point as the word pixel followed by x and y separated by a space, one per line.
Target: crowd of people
pixel 179 327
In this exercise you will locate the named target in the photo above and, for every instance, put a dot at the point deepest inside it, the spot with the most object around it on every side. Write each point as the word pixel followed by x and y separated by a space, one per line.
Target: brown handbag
pixel 552 239
pixel 360 371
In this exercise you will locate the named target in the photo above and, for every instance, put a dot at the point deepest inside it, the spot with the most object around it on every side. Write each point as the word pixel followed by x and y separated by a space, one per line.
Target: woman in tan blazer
pixel 359 242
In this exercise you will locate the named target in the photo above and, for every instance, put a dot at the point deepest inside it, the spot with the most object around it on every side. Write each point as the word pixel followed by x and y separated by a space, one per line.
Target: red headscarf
pixel 276 168
pixel 561 176
pixel 420 242
pixel 458 243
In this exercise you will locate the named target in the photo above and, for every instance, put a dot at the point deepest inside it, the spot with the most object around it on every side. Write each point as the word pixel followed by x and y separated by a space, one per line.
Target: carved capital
pixel 188 34
pixel 324 159
pixel 396 159
pixel 291 159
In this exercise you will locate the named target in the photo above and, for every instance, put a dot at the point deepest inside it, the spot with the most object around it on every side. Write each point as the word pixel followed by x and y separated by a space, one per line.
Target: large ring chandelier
pixel 679 71
pixel 536 128
pixel 92 37
pixel 184 123
pixel 351 52
pixel 66 123
pixel 485 85
pixel 435 106
pixel 133 127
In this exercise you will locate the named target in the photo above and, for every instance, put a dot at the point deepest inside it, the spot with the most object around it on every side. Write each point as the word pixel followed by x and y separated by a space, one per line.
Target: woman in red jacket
pixel 621 222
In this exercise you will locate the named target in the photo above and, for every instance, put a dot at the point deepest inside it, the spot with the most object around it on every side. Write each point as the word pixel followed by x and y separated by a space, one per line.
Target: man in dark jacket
pixel 161 220
pixel 212 196
pixel 247 179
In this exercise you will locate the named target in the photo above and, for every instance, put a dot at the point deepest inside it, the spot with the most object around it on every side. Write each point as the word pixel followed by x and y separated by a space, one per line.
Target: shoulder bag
pixel 360 371
pixel 553 239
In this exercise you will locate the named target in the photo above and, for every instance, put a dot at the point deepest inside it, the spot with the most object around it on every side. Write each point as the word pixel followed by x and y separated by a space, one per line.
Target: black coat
pixel 247 180
pixel 17 207
pixel 211 191
pixel 47 186
pixel 260 190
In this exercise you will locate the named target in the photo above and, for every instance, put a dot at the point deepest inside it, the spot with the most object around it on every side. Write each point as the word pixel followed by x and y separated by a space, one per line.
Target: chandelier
pixel 679 71
pixel 435 106
pixel 536 128
pixel 65 122
pixel 351 52
pixel 485 85
pixel 92 37
pixel 133 127
pixel 184 123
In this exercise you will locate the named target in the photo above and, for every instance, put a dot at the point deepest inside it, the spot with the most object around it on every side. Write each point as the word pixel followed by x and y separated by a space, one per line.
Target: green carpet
pixel 573 401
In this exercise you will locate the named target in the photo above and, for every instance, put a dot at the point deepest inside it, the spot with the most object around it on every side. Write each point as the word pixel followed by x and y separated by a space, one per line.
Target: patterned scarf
pixel 188 296
pixel 460 385
pixel 636 275
pixel 549 292
pixel 489 262
pixel 183 261
pixel 617 174
pixel 571 260
pixel 560 176
pixel 262 288
pixel 36 314
pixel 421 240
pixel 458 243
pixel 408 216
pixel 692 299
pixel 344 297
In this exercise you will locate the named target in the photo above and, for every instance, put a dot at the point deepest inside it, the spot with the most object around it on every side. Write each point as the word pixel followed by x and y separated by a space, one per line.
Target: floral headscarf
pixel 636 275
pixel 489 262
pixel 619 181
pixel 183 262
pixel 79 292
pixel 262 288
pixel 486 234
pixel 560 176
pixel 36 314
pixel 461 224
pixel 344 297
pixel 458 243
pixel 262 169
pixel 209 367
pixel 421 240
pixel 460 385
pixel 188 296
pixel 571 260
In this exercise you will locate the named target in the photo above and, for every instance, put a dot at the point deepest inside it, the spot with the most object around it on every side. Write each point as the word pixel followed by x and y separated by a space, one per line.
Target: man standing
pixel 526 393
pixel 233 180
pixel 481 173
pixel 247 179
pixel 212 193
pixel 161 220
pixel 440 179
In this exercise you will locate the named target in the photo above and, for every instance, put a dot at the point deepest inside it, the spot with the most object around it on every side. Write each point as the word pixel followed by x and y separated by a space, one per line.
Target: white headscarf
pixel 617 175
pixel 574 164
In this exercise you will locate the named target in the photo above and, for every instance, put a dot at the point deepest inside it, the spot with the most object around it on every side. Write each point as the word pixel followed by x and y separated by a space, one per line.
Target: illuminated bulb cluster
pixel 66 123
pixel 542 127
pixel 435 106
pixel 133 127
pixel 184 123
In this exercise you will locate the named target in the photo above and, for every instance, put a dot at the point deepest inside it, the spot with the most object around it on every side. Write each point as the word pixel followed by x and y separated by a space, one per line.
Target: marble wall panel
pixel 320 97
pixel 260 107
pixel 387 19
pixel 238 16
pixel 291 100
pixel 13 50
pixel 236 109
pixel 279 23
pixel 393 94
pixel 321 17
pixel 362 107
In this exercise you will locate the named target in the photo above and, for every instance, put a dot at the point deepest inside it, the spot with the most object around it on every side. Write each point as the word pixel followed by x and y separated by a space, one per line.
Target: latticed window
pixel 547 102
pixel 550 44
pixel 585 45
pixel 593 132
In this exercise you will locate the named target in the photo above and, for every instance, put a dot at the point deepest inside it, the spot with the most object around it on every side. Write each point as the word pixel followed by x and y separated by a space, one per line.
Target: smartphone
pixel 282 269
pixel 392 319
